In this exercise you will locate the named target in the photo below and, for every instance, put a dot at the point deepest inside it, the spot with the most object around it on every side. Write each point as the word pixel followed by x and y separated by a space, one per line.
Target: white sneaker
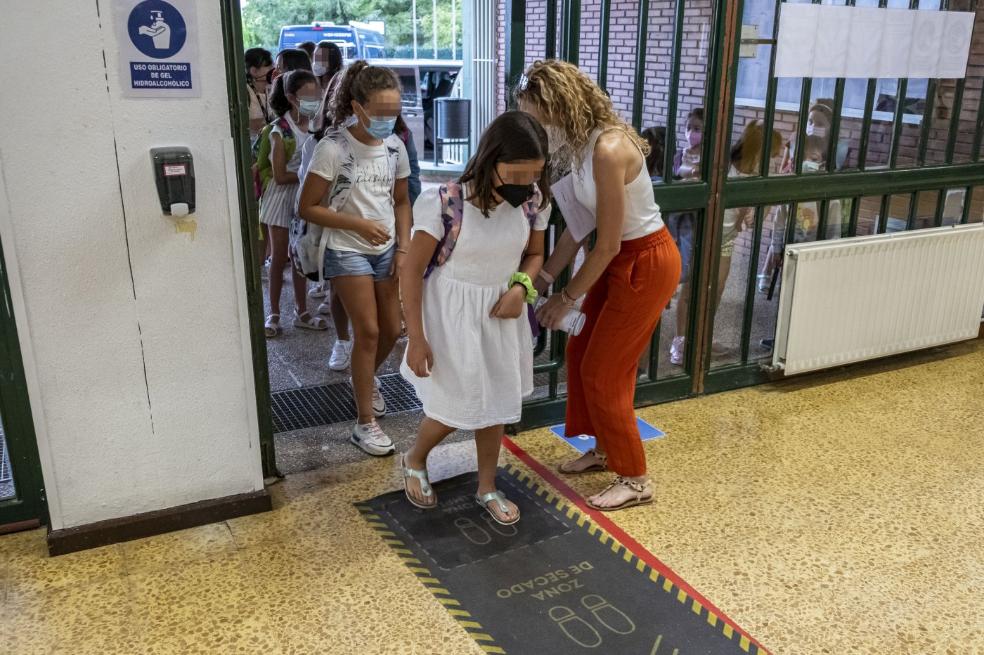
pixel 341 356
pixel 378 402
pixel 677 349
pixel 320 291
pixel 371 438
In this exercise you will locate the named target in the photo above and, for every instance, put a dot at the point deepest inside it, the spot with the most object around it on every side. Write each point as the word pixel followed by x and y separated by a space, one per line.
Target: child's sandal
pixel 272 326
pixel 500 501
pixel 306 322
pixel 426 490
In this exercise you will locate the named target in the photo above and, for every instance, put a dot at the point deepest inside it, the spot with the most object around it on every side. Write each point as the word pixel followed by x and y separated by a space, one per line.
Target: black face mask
pixel 515 194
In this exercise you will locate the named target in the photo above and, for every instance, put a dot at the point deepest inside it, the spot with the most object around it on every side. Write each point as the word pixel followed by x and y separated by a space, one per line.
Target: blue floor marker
pixel 584 443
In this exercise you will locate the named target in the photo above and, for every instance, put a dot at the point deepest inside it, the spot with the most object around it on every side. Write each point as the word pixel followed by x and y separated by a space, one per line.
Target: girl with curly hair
pixel 629 276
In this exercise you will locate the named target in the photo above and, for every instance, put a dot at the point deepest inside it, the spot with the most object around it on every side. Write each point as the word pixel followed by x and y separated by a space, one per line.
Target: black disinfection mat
pixel 552 583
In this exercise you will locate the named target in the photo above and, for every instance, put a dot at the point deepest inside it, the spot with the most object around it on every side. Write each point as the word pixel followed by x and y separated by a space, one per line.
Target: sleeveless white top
pixel 642 216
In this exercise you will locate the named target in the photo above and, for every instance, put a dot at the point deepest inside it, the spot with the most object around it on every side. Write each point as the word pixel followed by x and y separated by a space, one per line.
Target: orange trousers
pixel 622 311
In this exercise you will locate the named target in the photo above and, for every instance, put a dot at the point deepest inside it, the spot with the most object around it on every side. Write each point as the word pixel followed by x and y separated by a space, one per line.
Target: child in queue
pixel 469 355
pixel 686 166
pixel 357 186
pixel 746 161
pixel 295 101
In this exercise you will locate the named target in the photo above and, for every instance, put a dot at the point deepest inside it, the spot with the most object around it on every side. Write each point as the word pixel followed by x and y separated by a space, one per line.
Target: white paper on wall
pixel 957 33
pixel 864 42
pixel 893 60
pixel 927 41
pixel 797 40
pixel 830 51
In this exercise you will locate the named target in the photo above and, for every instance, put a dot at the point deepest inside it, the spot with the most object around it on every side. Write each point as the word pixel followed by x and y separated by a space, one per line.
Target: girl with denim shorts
pixel 369 232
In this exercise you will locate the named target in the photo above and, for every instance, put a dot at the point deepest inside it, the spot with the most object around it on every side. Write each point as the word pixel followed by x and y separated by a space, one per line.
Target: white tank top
pixel 642 216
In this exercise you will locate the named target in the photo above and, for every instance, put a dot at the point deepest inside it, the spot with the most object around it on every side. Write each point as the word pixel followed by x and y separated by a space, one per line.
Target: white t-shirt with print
pixel 371 196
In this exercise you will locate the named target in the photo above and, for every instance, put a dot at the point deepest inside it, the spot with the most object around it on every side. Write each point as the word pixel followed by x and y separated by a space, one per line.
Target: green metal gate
pixel 899 155
pixel 27 504
pixel 906 162
pixel 902 155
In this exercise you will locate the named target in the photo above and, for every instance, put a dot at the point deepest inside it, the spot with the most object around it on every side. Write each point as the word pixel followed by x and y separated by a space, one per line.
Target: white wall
pixel 133 334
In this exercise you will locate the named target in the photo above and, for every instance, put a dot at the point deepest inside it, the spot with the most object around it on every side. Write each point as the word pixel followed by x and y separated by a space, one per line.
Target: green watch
pixel 527 282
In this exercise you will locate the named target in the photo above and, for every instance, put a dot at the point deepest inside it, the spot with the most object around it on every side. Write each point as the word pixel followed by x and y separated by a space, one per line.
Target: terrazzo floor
pixel 839 514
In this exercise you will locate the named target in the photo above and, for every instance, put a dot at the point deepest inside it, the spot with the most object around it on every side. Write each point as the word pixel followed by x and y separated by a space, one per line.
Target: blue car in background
pixel 356 40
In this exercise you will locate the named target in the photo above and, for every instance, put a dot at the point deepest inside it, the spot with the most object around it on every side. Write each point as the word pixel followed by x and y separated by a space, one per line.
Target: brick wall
pixel 500 39
pixel 622 53
pixel 693 77
pixel 693 88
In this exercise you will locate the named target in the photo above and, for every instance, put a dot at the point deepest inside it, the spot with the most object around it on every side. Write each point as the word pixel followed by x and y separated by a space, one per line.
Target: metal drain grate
pixel 6 475
pixel 311 407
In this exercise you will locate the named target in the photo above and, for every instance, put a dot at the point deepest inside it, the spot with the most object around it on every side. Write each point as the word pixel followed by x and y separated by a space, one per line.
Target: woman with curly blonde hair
pixel 628 277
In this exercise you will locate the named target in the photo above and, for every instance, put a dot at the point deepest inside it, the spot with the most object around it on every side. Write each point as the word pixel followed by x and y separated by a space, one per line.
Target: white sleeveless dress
pixel 483 367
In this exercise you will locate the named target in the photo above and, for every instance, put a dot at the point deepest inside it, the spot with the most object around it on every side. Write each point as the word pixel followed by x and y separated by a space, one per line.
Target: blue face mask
pixel 380 128
pixel 309 108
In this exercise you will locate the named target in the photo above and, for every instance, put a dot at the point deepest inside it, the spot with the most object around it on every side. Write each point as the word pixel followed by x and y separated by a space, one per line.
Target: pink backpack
pixel 452 214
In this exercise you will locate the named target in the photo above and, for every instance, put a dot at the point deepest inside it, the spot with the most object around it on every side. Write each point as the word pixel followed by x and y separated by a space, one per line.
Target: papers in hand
pixel 580 220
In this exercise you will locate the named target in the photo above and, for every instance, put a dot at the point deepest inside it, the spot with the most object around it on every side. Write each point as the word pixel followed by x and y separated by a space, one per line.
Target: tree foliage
pixel 262 20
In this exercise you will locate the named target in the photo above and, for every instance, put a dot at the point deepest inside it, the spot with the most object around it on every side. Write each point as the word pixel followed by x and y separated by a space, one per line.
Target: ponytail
pixel 342 101
pixel 359 81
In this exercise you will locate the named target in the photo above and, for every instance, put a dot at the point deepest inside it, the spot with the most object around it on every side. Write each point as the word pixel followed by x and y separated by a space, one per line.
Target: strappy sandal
pixel 500 498
pixel 640 489
pixel 603 466
pixel 272 326
pixel 307 322
pixel 325 308
pixel 425 487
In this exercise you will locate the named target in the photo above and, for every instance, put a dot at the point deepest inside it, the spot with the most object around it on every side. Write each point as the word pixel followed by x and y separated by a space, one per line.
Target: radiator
pixel 851 300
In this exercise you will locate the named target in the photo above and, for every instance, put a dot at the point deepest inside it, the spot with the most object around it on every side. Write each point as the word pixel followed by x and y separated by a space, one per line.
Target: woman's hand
pixel 551 314
pixel 510 304
pixel 373 232
pixel 540 285
pixel 420 359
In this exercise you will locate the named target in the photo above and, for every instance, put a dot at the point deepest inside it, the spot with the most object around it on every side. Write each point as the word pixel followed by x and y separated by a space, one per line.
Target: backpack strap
pixel 452 215
pixel 393 159
pixel 285 127
pixel 342 184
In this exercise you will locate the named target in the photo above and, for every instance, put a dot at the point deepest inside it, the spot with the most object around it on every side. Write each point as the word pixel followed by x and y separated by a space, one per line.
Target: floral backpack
pixel 452 214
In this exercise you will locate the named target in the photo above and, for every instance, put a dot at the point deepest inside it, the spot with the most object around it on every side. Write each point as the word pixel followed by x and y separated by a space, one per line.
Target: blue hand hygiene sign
pixel 157 29
pixel 158 48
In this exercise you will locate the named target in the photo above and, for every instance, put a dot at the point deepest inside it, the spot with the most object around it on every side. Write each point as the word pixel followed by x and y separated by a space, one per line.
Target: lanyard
pixel 263 108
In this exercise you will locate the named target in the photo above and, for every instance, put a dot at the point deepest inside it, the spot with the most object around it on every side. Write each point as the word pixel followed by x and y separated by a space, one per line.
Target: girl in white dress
pixel 470 355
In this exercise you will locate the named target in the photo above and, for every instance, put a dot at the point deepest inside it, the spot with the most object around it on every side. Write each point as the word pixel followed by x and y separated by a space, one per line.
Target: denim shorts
pixel 342 263
pixel 681 227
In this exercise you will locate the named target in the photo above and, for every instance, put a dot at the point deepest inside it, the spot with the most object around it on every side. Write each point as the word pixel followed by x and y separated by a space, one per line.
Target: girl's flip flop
pixel 497 497
pixel 425 487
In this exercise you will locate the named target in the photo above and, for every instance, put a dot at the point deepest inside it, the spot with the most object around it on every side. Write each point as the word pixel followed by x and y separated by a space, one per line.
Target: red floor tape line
pixel 637 549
